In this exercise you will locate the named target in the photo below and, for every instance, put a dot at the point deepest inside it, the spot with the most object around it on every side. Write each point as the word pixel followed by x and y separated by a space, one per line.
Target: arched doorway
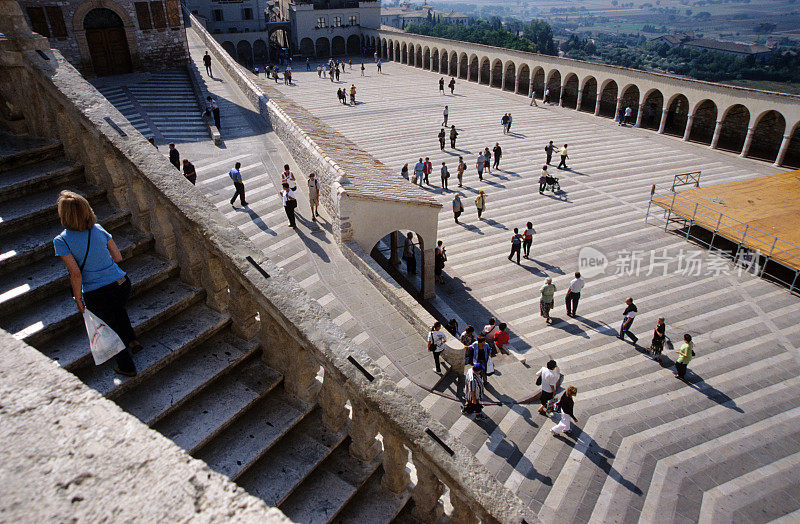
pixel 418 59
pixel 653 106
pixel 444 65
pixel 107 42
pixel 260 51
pixel 630 98
pixel 389 253
pixel 677 116
pixel 524 79
pixel 323 46
pixel 704 122
pixel 767 136
pixel 734 128
pixel 554 85
pixel 435 60
pixel 353 44
pixel 589 95
pixel 463 66
pixel 497 73
pixel 404 55
pixel 538 82
pixel 454 64
pixel 307 47
pixel 337 46
pixel 486 72
pixel 792 157
pixel 244 53
pixel 230 48
pixel 608 100
pixel 384 50
pixel 510 77
pixel 570 96
pixel 473 68
pixel 426 59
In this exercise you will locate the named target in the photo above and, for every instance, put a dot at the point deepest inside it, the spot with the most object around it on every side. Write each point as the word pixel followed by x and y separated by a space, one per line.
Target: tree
pixel 541 34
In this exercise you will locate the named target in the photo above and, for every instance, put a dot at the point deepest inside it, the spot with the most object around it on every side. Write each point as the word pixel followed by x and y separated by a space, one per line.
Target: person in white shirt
pixel 549 376
pixel 436 343
pixel 289 203
pixel 313 195
pixel 574 294
pixel 288 177
pixel 445 114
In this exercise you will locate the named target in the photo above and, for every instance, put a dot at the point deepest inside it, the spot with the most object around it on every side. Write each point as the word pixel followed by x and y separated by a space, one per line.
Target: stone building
pixel 105 37
pixel 239 26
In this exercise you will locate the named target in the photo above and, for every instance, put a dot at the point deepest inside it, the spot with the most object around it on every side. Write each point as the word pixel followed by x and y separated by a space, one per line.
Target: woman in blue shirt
pixel 91 257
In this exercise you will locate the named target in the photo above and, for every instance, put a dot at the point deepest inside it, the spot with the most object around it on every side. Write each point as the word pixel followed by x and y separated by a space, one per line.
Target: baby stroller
pixel 551 183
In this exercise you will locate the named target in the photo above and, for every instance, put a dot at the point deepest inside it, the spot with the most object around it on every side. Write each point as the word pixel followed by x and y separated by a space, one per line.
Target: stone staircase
pixel 198 383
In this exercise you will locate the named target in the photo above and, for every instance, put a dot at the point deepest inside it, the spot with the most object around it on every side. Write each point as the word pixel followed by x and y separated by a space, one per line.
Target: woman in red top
pixel 527 239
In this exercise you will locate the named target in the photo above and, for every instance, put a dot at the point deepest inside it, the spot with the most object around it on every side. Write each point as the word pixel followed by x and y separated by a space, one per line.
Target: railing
pixel 754 247
pixel 685 179
pixel 294 332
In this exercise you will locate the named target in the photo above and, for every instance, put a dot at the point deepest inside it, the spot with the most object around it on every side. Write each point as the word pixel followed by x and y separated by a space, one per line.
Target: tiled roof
pixel 732 47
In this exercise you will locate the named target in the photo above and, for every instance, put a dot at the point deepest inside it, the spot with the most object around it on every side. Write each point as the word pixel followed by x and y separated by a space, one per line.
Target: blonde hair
pixel 75 212
pixel 572 391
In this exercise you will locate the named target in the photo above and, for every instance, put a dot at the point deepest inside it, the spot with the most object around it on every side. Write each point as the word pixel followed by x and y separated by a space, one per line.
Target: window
pixel 173 13
pixel 321 22
pixel 38 21
pixel 56 18
pixel 353 20
pixel 143 15
pixel 337 21
pixel 159 18
pixel 247 13
pixel 218 15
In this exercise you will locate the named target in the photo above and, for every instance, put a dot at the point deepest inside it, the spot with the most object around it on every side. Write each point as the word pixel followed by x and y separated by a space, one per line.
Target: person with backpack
pixel 436 342
pixel 548 150
pixel 685 355
pixel 565 407
pixel 453 136
pixel 458 207
pixel 452 85
pixel 445 175
pixel 516 244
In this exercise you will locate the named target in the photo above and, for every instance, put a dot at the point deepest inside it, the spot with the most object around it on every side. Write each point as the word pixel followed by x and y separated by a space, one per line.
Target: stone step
pixel 47 277
pixel 322 495
pixel 276 474
pixel 734 500
pixel 28 179
pixel 253 432
pixel 372 503
pixel 18 151
pixel 38 322
pixel 215 407
pixel 167 389
pixel 31 210
pixel 25 247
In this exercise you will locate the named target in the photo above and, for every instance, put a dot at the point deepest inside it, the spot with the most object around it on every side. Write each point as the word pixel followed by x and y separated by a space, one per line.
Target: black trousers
pixel 563 162
pixel 453 143
pixel 542 186
pixel 192 179
pixel 411 265
pixel 496 162
pixel 514 249
pixel 108 303
pixel 436 355
pixel 441 144
pixel 208 70
pixel 681 369
pixel 526 246
pixel 549 158
pixel 290 206
pixel 572 303
pixel 216 118
pixel 239 192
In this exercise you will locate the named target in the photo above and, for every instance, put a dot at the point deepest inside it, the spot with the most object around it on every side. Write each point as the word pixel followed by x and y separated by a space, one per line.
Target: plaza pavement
pixel 640 426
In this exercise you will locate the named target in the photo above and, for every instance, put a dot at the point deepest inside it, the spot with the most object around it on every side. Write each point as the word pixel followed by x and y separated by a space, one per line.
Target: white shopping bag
pixel 103 341
pixel 489 366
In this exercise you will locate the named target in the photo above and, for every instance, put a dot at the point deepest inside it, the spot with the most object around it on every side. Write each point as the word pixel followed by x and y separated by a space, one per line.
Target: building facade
pixel 402 16
pixel 105 37
pixel 239 25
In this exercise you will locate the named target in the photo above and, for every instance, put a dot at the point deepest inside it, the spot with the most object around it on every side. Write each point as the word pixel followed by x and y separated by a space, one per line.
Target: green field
pixel 781 87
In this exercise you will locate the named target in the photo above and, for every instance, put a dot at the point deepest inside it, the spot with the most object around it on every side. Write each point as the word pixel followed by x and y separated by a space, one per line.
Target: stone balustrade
pixel 293 331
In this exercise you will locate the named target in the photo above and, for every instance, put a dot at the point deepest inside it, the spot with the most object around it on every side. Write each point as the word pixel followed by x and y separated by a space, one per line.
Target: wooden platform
pixel 767 207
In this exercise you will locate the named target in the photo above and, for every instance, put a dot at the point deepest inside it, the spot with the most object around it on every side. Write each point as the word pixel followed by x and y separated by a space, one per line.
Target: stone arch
pixel 426 58
pixel 260 54
pixel 538 82
pixel 608 99
pixel 444 62
pixel 397 56
pixel 510 77
pixel 418 57
pixel 497 73
pixel 792 157
pixel 767 136
pixel 382 253
pixel 653 106
pixel 570 95
pixel 677 115
pixel 323 47
pixel 384 49
pixel 735 121
pixel 554 85
pixel 353 45
pixel 589 94
pixel 464 68
pixel 244 53
pixel 128 26
pixel 453 71
pixel 228 46
pixel 307 47
pixel 630 98
pixel 524 80
pixel 338 47
pixel 435 60
pixel 703 122
pixel 404 54
pixel 485 76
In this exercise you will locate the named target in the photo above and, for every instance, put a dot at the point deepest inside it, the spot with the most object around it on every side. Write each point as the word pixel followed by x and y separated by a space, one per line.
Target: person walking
pixel 627 320
pixel 628 114
pixel 452 85
pixel 468 336
pixel 404 171
pixel 548 149
pixel 564 157
pixel 379 66
pixel 445 114
pixel 441 136
pixel 527 240
pixel 473 392
pixel 436 342
pixel 313 195
pixel 337 72
pixel 546 302
pixel 533 99
pixel 330 73
pixel 409 255
pixel 620 116
pixel 353 93
pixel 189 171
pixel 319 71
pixel 659 336
pixel 510 121
pixel 97 282
pixel 460 170
pixel 213 109
pixel 428 170
pixel 441 85
pixel 543 179
pixel 439 258
pixel 574 294
pixel 288 177
pixel 308 64
pixel 362 68
pixel 236 176
pixel 516 244
pixel 504 123
pixel 498 152
pixel 174 156
pixel 565 407
pixel 487 160
pixel 453 136
pixel 480 203
pixel 547 95
pixel 419 172
pixel 685 355
pixel 207 63
pixel 289 203
pixel 479 166
pixel 547 379
pixel 445 175
pixel 458 207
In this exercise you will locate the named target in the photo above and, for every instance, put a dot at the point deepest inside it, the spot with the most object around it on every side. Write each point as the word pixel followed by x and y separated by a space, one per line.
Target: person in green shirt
pixel 546 302
pixel 685 355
